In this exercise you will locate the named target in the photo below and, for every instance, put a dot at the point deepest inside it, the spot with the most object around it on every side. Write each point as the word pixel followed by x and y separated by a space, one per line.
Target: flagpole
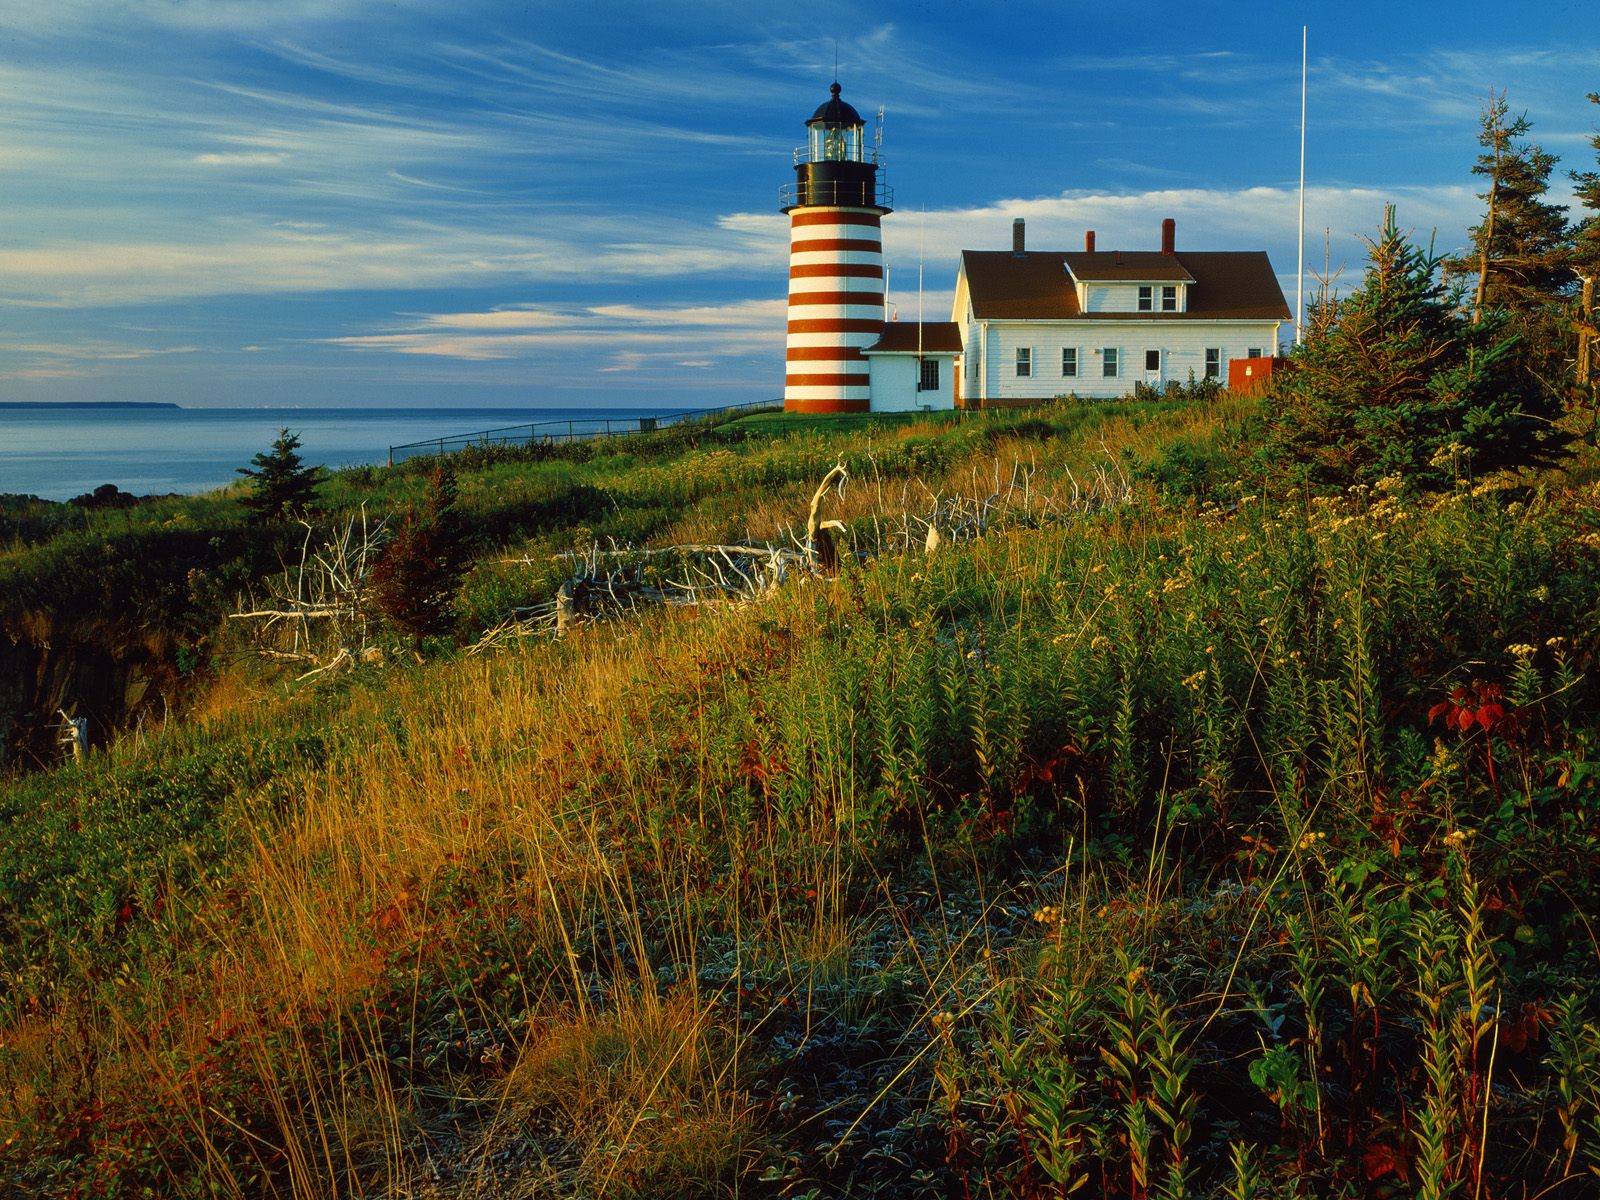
pixel 1300 271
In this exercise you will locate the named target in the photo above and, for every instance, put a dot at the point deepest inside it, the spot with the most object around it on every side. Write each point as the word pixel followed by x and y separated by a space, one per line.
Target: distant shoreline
pixel 38 404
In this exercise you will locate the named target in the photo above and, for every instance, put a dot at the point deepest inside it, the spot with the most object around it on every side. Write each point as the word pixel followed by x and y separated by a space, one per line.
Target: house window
pixel 1169 299
pixel 1213 364
pixel 1152 360
pixel 928 377
pixel 1146 299
pixel 1253 352
pixel 1024 362
pixel 1069 363
pixel 1108 364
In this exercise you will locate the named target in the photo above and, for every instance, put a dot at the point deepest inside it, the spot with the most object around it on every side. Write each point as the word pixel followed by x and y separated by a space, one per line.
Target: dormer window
pixel 1147 298
pixel 1169 298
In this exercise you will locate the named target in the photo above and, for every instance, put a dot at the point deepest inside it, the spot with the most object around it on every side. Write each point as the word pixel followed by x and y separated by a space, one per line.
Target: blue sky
pixel 320 202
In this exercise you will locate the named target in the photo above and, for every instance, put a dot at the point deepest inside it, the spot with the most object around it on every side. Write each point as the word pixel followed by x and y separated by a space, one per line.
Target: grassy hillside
pixel 1187 842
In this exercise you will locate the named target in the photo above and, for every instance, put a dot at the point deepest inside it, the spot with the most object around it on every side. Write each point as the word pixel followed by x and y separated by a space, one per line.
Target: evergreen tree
pixel 1586 261
pixel 1519 248
pixel 416 578
pixel 1395 380
pixel 284 487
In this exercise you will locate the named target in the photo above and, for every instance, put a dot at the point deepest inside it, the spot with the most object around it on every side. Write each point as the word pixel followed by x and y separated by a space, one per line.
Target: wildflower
pixel 1309 840
pixel 1555 643
pixel 1100 642
pixel 1194 681
pixel 1521 651
pixel 1457 838
pixel 1048 915
pixel 942 1021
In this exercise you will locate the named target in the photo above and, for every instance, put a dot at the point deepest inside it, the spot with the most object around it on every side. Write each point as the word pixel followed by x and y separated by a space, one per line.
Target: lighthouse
pixel 835 206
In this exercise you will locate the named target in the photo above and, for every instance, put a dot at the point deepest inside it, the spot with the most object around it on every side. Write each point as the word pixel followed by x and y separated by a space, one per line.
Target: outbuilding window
pixel 1069 363
pixel 928 376
pixel 1108 363
pixel 1024 362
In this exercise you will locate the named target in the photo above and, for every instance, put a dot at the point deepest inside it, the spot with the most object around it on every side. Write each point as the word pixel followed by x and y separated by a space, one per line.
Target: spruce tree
pixel 284 487
pixel 416 578
pixel 1586 263
pixel 1519 249
pixel 1396 380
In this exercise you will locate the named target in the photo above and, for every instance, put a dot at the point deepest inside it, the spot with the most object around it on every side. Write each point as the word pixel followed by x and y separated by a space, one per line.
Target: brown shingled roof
pixel 1120 266
pixel 938 337
pixel 1227 285
pixel 1237 284
pixel 1032 285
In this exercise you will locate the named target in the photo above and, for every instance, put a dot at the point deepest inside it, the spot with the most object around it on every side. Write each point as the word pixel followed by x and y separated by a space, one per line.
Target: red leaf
pixel 1438 710
pixel 1379 1161
pixel 1464 719
pixel 1491 715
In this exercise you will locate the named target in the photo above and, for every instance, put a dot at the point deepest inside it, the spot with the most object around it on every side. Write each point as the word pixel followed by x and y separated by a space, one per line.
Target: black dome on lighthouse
pixel 835 111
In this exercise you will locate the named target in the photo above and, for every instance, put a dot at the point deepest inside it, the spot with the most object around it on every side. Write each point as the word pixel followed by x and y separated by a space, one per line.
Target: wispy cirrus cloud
pixel 630 336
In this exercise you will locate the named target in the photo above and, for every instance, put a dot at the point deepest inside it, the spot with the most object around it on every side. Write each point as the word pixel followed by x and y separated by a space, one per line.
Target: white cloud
pixel 258 158
pixel 631 336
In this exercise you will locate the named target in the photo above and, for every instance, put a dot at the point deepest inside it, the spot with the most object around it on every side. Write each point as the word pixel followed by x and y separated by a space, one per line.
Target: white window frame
pixel 1169 298
pixel 1065 364
pixel 1213 362
pixel 1253 352
pixel 927 367
pixel 1024 362
pixel 1147 355
pixel 1110 363
pixel 1147 298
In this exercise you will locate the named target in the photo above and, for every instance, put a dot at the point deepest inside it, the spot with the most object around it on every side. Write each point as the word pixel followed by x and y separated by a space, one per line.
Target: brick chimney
pixel 1169 236
pixel 1088 242
pixel 1018 237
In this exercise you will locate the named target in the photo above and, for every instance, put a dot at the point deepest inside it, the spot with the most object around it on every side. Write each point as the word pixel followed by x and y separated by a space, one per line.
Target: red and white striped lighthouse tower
pixel 835 263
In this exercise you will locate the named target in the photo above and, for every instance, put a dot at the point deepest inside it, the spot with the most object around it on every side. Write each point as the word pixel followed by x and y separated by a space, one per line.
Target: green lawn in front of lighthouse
pixel 788 422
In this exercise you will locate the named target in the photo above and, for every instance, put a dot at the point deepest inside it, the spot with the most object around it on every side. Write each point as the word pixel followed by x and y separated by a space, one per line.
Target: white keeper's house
pixel 1027 326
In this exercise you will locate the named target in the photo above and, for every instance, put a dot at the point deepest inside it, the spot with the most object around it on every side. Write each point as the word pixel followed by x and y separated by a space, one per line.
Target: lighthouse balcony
pixel 836 193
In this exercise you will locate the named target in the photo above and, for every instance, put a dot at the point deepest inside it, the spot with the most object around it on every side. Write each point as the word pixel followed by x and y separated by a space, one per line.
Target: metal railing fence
pixel 569 430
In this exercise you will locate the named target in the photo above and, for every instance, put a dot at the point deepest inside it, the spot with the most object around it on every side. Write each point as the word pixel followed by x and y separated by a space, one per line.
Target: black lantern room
pixel 834 168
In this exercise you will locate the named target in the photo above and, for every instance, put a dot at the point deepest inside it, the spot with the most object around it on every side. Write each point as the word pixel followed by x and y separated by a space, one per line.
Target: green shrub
pixel 1396 380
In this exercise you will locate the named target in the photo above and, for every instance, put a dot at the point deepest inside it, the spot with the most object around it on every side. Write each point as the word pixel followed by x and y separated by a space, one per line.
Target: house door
pixel 1152 366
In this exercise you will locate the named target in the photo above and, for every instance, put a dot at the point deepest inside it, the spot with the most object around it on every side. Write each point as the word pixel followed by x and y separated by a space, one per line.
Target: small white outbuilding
pixel 913 366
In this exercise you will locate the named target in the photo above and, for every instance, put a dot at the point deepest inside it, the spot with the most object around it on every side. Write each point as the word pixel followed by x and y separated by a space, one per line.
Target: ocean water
pixel 58 453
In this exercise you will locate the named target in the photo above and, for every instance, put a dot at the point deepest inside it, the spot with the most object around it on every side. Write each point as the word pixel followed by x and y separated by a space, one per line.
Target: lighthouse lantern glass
pixel 835 143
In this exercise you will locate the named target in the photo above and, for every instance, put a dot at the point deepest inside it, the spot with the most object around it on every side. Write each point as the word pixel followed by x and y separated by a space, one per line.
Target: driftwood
pixel 607 581
pixel 329 586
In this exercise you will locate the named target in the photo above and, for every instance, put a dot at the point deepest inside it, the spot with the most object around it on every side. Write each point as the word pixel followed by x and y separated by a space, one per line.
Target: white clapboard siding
pixel 992 364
